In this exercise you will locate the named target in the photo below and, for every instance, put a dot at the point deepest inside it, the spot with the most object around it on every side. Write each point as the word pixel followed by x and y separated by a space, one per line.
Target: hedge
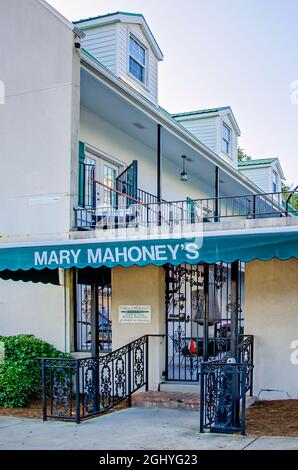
pixel 20 373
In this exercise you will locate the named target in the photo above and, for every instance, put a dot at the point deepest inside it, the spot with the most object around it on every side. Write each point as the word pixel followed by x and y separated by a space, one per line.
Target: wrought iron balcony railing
pixel 114 209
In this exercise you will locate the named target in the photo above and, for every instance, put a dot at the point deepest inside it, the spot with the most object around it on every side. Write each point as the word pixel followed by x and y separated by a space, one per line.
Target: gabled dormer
pixel 124 43
pixel 266 173
pixel 216 128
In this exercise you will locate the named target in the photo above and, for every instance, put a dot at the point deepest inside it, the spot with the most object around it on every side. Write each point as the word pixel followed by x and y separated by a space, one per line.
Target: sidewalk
pixel 134 428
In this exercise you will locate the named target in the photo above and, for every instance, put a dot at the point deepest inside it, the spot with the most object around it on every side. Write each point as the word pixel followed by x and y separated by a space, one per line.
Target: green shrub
pixel 20 373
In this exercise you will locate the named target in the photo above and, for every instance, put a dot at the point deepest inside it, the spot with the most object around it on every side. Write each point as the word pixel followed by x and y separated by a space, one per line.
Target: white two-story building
pixel 121 220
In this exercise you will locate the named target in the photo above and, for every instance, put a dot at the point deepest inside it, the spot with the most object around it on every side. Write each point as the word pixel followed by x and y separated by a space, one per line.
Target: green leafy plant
pixel 20 373
pixel 242 155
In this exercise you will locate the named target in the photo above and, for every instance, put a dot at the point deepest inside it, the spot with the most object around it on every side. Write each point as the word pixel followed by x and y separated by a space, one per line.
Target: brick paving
pixel 184 400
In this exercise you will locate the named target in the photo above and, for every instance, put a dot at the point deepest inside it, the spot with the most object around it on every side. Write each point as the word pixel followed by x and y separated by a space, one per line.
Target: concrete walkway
pixel 135 428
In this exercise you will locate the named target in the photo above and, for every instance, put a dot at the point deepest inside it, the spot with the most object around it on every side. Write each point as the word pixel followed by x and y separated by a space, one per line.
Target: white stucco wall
pixel 24 310
pixel 42 310
pixel 36 58
pixel 271 300
pixel 141 286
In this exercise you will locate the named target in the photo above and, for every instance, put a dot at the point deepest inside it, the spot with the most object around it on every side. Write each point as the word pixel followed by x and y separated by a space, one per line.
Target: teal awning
pixel 80 254
pixel 45 276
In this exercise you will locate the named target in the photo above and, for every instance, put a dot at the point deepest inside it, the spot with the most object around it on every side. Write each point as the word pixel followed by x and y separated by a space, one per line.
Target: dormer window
pixel 226 139
pixel 137 59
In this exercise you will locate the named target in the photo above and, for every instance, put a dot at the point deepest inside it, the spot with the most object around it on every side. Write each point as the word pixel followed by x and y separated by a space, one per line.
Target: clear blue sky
pixel 242 53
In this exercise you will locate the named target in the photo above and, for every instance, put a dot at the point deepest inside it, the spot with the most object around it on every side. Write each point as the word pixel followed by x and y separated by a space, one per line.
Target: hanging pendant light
pixel 183 175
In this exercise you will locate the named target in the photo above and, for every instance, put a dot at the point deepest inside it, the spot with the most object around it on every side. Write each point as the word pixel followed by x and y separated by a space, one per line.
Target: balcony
pixel 118 210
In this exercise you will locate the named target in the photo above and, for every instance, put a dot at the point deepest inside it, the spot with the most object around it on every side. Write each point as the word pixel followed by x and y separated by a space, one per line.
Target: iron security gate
pixel 198 316
pixel 84 292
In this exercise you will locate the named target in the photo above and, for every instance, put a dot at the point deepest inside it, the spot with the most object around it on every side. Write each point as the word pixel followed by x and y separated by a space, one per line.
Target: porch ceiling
pixel 133 121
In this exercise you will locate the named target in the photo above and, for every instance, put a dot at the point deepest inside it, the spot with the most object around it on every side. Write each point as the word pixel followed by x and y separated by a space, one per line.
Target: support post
pixel 77 380
pixel 94 340
pixel 159 170
pixel 254 207
pixel 94 320
pixel 216 193
pixel 147 363
pixel 235 266
pixel 129 376
pixel 159 163
pixel 44 390
pixel 206 313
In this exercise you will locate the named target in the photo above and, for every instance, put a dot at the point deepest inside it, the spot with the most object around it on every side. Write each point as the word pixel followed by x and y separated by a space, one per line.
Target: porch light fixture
pixel 183 175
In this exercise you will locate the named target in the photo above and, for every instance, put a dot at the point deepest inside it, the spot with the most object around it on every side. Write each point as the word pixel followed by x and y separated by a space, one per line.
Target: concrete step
pixel 189 387
pixel 185 400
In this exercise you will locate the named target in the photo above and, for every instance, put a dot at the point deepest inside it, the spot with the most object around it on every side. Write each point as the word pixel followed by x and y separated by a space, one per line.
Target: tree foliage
pixel 242 155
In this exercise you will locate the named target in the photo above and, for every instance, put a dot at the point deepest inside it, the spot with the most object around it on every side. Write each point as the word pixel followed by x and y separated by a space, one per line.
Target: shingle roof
pixel 257 161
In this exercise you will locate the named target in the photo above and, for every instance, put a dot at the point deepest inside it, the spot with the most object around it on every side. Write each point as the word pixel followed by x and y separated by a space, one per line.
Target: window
pixel 275 182
pixel 137 59
pixel 226 139
pixel 109 179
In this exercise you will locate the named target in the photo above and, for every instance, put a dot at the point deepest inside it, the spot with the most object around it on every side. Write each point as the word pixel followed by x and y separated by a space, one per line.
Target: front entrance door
pixel 198 316
pixel 90 282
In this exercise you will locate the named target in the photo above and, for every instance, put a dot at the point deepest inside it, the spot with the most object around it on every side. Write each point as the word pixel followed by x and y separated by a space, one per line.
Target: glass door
pixel 100 182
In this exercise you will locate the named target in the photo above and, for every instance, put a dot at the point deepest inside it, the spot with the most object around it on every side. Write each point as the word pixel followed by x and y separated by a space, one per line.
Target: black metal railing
pixel 224 386
pixel 246 356
pixel 146 211
pixel 76 389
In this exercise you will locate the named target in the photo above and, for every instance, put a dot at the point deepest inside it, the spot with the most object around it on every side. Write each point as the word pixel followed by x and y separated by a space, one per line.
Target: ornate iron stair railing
pixel 76 389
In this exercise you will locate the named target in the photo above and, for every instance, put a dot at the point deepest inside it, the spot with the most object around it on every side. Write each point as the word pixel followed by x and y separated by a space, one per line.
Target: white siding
pixel 110 45
pixel 205 129
pixel 261 176
pixel 209 131
pixel 150 89
pixel 101 43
